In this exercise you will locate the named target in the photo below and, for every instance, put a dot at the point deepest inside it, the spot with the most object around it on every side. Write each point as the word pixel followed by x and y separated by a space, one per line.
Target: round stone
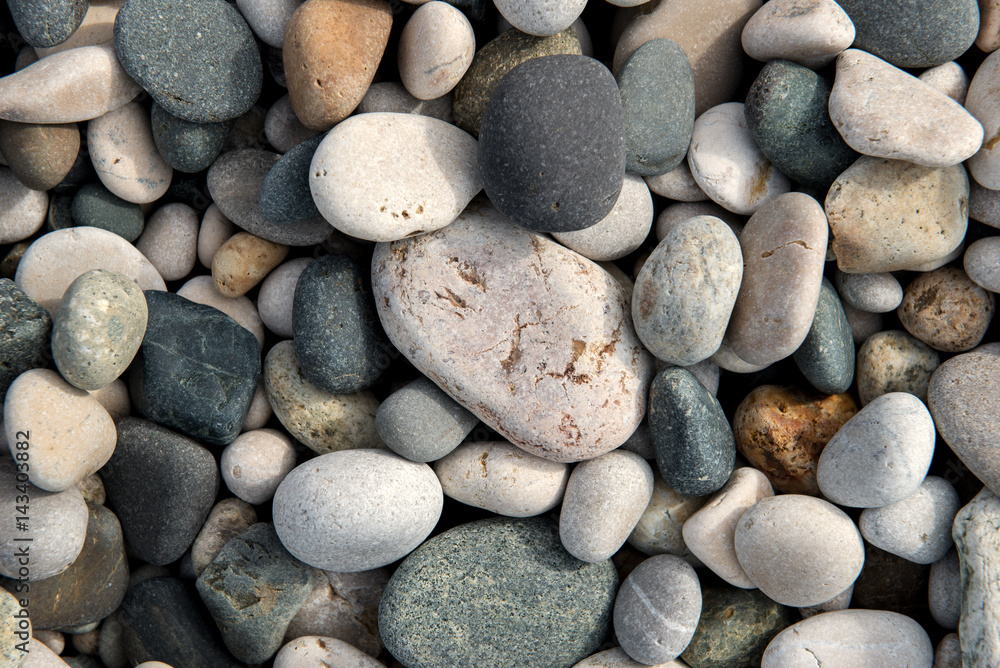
pixel 256 462
pixel 422 423
pixel 677 184
pixel 948 78
pixel 186 146
pixel 170 240
pixel 392 96
pixel 285 196
pixel 125 156
pixel 435 50
pixel 619 233
pixel 269 18
pixel 918 528
pixel 276 298
pixel 40 156
pixel 96 206
pixel 46 24
pixel 541 17
pixel 946 310
pixel 826 357
pixel 243 261
pixel 283 129
pixel 944 591
pixel 873 293
pixel 810 33
pixel 22 210
pixel 215 229
pixel 982 263
pixel 894 361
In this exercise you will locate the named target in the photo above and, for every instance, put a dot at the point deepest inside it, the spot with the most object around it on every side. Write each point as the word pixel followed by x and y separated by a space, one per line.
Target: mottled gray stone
pixel 186 146
pixel 917 528
pixel 46 23
pixel 285 196
pixel 872 293
pixel 422 423
pixel 944 591
pixel 96 206
pixel 977 541
pixel 25 328
pixel 826 357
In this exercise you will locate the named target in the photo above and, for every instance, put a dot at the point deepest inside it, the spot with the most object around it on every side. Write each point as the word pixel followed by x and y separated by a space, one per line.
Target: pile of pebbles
pixel 364 334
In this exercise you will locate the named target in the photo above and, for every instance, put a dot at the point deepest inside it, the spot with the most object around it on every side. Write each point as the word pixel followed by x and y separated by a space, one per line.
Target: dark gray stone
pixel 338 337
pixel 79 174
pixel 285 196
pixel 552 143
pixel 197 58
pixel 826 357
pixel 46 23
pixel 60 214
pixel 497 593
pixel 657 89
pixel 96 206
pixel 25 334
pixel 161 486
pixel 787 113
pixel 695 448
pixel 186 146
pixel 196 370
pixel 253 589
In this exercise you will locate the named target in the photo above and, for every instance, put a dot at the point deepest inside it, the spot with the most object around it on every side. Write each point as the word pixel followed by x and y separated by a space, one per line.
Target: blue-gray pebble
pixel 47 23
pixel 826 357
pixel 285 196
pixel 695 448
pixel 552 143
pixel 96 206
pixel 25 334
pixel 497 593
pixel 422 423
pixel 657 89
pixel 186 146
pixel 197 58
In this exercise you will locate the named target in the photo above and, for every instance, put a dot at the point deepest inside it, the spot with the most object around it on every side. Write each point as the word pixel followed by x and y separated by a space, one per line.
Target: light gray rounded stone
pixel 948 653
pixel 678 184
pixel 282 128
pixel 604 500
pixel 677 212
pixel 981 102
pixel 356 510
pixel 841 601
pixel 881 455
pixel 256 462
pixel 874 293
pixel 918 528
pixel 863 324
pixel 944 591
pixel 949 78
pixel 894 361
pixel 392 96
pixel 809 32
pixel 660 529
pixel 982 263
pixel 275 298
pixel 977 542
pixel 622 231
pixel 422 423
pixel 269 18
pixel 541 17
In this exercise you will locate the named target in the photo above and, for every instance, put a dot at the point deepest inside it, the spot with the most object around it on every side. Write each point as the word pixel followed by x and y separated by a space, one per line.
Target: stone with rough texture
pixel 981 102
pixel 982 263
pixel 944 590
pixel 894 361
pixel 873 293
pixel 541 17
pixel 46 24
pixel 186 146
pixel 25 328
pixel 243 261
pixel 659 530
pixel 40 156
pixel 343 606
pixel 23 210
pixel 826 357
pixel 98 26
pixel 276 298
pixel 435 50
pixel 227 519
pixel 946 310
pixel 316 651
pixel 977 545
pixel 256 462
pixel 809 32
pixel 621 232
pixel 125 156
pixel 94 205
pixel 422 423
pixel 917 528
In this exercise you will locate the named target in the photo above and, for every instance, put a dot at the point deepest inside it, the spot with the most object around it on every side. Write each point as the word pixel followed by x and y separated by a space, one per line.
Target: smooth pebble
pixel 917 528
pixel 256 462
pixel 422 423
pixel 170 240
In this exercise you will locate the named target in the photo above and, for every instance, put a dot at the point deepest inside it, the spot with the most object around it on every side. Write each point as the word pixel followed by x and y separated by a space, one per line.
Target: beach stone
pixel 202 290
pixel 98 329
pixel 269 18
pixel 25 328
pixel 392 96
pixel 879 225
pixel 948 653
pixel 944 591
pixel 981 102
pixel 869 95
pixel 874 293
pixel 435 50
pixel 784 252
pixel 480 352
pixel 23 210
pixel 982 263
pixel 256 462
pixel 356 510
pixel 343 606
pixel 199 61
pixel 507 593
pixel 125 156
pixel 851 637
pixel 695 451
pixel 38 655
pixel 186 146
pixel 228 519
pixel 808 32
pixel 677 212
pixel 541 17
pixel 709 533
pixel 196 370
pixel 894 361
pixel 881 455
pixel 826 357
pixel 285 196
pixel 170 240
pixel 659 529
pixel 988 39
pixel 493 61
pixel 976 541
pixel 909 35
pixel 814 535
pixel 422 423
pixel 161 485
pixel 948 78
pixel 917 528
pixel 686 290
pixel 254 568
pixel 331 51
pixel 728 165
pixel 621 232
pixel 502 479
pixel 283 129
pixel 677 184
pixel 75 85
pixel 243 261
pixel 657 609
pixel 260 410
pixel 14 630
pixel 276 298
pixel 946 310
pixel 40 156
pixel 314 651
pixel 786 112
pixel 963 397
pixel 97 27
pixel 94 205
pixel 47 23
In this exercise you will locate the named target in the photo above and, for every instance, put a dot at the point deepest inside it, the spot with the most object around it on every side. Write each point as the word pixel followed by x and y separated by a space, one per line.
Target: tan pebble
pixel 98 27
pixel 392 96
pixel 227 519
pixel 22 210
pixel 343 606
pixel 659 529
pixel 435 50
pixel 54 640
pixel 125 156
pixel 256 462
pixel 317 652
pixel 948 78
pixel 243 262
pixel 170 240
pixel 983 102
pixel 115 398
pixel 988 39
pixel 277 293
pixel 946 310
pixel 622 231
pixel 894 361
pixel 92 488
pixel 39 155
pixel 202 290
pixel 674 214
pixel 260 410
pixel 982 263
pixel 214 231
pixel 283 128
pixel 40 656
pixel 809 32
pixel 677 184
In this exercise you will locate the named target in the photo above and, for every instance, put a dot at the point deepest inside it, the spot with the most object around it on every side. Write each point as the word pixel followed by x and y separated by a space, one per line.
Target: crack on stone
pixel 790 243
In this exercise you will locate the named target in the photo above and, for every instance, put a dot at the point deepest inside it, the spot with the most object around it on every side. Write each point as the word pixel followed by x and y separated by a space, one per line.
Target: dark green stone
pixel 826 357
pixel 285 196
pixel 96 206
pixel 186 146
pixel 787 113
pixel 25 331
pixel 497 593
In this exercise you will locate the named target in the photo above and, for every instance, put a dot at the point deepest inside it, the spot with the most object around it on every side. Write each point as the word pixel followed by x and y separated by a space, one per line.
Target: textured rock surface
pixel 227 519
pixel 40 156
pixel 25 328
pixel 125 156
pixel 93 205
pixel 894 361
pixel 946 310
pixel 976 541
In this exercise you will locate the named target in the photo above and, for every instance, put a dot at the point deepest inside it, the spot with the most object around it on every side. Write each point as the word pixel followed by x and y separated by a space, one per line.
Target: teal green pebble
pixel 826 357
pixel 497 593
pixel 96 206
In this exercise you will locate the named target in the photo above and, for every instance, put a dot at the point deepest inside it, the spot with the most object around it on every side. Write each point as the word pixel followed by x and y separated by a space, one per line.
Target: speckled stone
pixel 894 361
pixel 96 206
pixel 227 519
pixel 917 528
pixel 170 240
pixel 948 78
pixel 269 18
pixel 40 156
pixel 505 593
pixel 435 50
pixel 283 129
pixel 874 293
pixel 393 97
pixel 659 529
pixel 25 328
pixel 46 24
pixel 786 111
pixel 315 651
pixel 946 310
pixel 948 653
pixel 977 543
pixel 981 102
pixel 982 263
pixel 422 423
pixel 285 196
pixel 695 450
pixel 198 60
pixel 826 357
pixel 809 32
pixel 944 591
pixel 186 146
pixel 276 298
pixel 540 17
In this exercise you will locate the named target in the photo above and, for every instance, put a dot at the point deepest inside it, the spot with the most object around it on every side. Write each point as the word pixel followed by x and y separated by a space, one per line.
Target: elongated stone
pixel 978 545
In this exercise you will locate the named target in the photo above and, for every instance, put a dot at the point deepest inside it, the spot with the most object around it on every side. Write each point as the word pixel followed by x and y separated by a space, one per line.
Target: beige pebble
pixel 92 488
pixel 86 643
pixel 40 656
pixel 619 233
pixel 808 32
pixel 153 664
pixel 125 156
pixel 726 359
pixel 39 155
pixel 946 310
pixel 227 519
pixel 659 530
pixel 674 214
pixel 170 240
pixel 22 210
pixel 202 290
pixel 435 50
pixel 988 39
pixel 983 102
pixel 677 184
pixel 392 96
pixel 54 640
pixel 26 56
pixel 282 127
pixel 894 361
pixel 243 261
pixel 343 606
pixel 214 231
pixel 949 78
pixel 277 293
pixel 115 398
pixel 863 324
pixel 98 27
pixel 319 652
pixel 260 410
pixel 982 263
pixel 256 462
pixel 616 657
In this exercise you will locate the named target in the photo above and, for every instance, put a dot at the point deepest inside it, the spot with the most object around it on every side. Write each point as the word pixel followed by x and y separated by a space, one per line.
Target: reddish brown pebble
pixel 946 310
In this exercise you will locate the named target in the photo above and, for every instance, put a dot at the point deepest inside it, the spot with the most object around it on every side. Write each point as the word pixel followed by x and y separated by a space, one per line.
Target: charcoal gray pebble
pixel 186 146
pixel 96 206
pixel 46 23
pixel 422 423
pixel 826 357
pixel 25 332
pixel 285 196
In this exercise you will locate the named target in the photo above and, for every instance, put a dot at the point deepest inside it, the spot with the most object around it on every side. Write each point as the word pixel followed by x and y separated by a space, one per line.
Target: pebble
pixel 604 500
pixel 46 24
pixel 25 328
pixel 948 78
pixel 184 343
pixel 870 96
pixel 894 361
pixel 872 293
pixel 256 462
pixel 622 231
pixel 268 18
pixel 887 215
pixel 23 210
pixel 695 450
pixel 40 156
pixel 170 240
pixel 198 60
pixel 710 532
pixel 343 606
pixel 917 528
pixel 503 479
pixel 981 102
pixel 356 510
pixel 161 485
pixel 58 258
pixel 808 32
pixel 786 112
pixel 283 129
pixel 332 49
pixel 485 334
pixel 977 545
pixel 423 424
pixel 243 261
pixel 728 165
pixel 657 609
pixel 252 589
pixel 982 263
pixel 686 290
pixel 97 27
pixel 435 50
pixel 275 300
pixel 125 156
pixel 285 196
pixel 946 310
pixel 799 550
pixel 228 519
pixel 185 146
pixel 40 656
pixel 881 455
pixel 851 638
pixel 617 658
pixel 98 329
pixel 964 397
pixel 784 252
pixel 392 96
pixel 944 591
pixel 948 653
pixel 202 290
pixel 658 531
pixel 677 184
pixel 94 205
pixel 442 605
pixel 677 212
pixel 826 357
pixel 989 27
pixel 315 651
pixel 74 85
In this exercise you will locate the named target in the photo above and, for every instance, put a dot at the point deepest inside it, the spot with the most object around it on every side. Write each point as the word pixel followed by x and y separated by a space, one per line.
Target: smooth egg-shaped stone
pixel 269 18
pixel 94 205
pixel 981 102
pixel 982 263
pixel 276 298
pixel 125 156
pixel 496 592
pixel 686 290
pixel 23 210
pixel 435 50
pixel 619 233
pixel 170 240
pixel 256 462
pixel 422 423
pixel 881 455
pixel 918 528
pixel 417 175
pixel 874 293
pixel 356 510
pixel 243 261
pixel 541 17
pixel 39 155
pixel 810 33
pixel 477 307
pixel 826 356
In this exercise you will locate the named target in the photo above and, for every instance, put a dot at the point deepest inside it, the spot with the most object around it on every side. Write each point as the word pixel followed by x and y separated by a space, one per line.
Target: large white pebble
pixel 621 231
pixel 202 290
pixel 323 652
pixel 276 296
pixel 541 17
pixel 356 510
pixel 918 528
pixel 22 210
pixel 435 50
pixel 125 156
pixel 170 240
pixel 811 33
pixel 502 478
pixel 256 462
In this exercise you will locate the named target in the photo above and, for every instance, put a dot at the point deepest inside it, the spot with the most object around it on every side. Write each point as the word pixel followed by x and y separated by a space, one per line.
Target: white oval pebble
pixel 215 230
pixel 541 17
pixel 435 50
pixel 274 301
pixel 22 210
pixel 948 78
pixel 918 528
pixel 809 32
pixel 323 652
pixel 170 240
pixel 202 290
pixel 620 232
pixel 256 462
pixel 125 156
pixel 983 102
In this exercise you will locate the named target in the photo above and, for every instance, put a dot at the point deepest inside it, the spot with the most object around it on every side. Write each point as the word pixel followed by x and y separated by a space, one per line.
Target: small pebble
pixel 243 261
pixel 316 651
pixel 187 147
pixel 285 196
pixel 26 328
pixel 917 528
pixel 93 205
pixel 677 184
pixel 894 361
pixel 541 17
pixel 275 300
pixel 227 519
pixel 170 240
pixel 826 357
pixel 946 310
pixel 343 606
pixel 977 543
pixel 125 156
pixel 435 50
pixel 810 33
pixel 268 18
pixel 948 78
pixel 260 410
pixel 40 156
pixel 255 464
pixel 948 653
pixel 678 212
pixel 392 96
pixel 214 231
pixel 873 293
pixel 981 102
pixel 283 129
pixel 23 210
pixel 422 423
pixel 944 591
pixel 658 531
pixel 982 263
pixel 621 232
